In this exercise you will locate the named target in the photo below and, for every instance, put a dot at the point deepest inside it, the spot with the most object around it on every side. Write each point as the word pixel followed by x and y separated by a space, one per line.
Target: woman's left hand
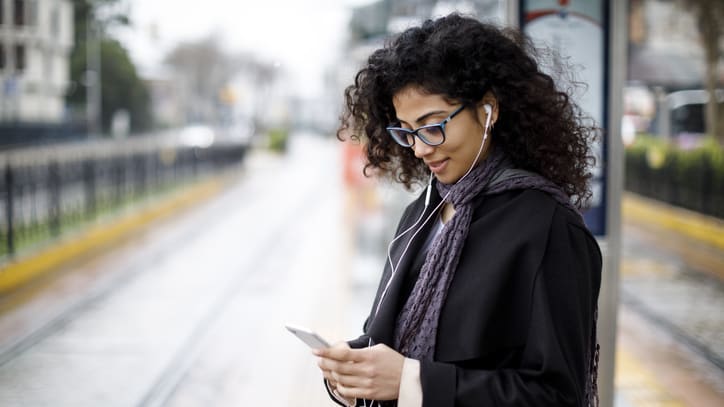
pixel 369 373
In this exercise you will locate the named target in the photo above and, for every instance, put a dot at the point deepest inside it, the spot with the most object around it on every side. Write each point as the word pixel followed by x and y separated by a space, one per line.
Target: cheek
pixel 465 148
pixel 470 136
pixel 465 141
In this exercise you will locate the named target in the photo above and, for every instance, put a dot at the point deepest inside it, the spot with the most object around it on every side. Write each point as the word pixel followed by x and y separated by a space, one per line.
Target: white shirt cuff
pixel 410 387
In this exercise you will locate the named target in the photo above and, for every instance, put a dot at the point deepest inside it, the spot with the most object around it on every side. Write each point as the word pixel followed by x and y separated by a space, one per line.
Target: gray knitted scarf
pixel 416 327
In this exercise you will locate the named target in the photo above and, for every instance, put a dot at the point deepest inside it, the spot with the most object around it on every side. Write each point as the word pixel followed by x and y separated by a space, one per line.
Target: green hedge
pixel 278 139
pixel 692 179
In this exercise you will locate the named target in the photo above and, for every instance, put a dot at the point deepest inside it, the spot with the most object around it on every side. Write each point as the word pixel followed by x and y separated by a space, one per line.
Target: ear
pixel 488 100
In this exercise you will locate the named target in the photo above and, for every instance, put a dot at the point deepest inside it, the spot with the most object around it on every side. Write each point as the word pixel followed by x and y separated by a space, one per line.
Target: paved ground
pixel 671 325
pixel 656 283
pixel 191 312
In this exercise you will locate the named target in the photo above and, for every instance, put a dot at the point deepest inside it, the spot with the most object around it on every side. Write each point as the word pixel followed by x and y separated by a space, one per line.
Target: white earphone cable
pixel 394 267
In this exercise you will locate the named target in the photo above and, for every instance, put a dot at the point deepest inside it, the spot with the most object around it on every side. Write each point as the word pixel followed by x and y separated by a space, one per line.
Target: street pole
pixel 609 298
pixel 513 13
pixel 93 76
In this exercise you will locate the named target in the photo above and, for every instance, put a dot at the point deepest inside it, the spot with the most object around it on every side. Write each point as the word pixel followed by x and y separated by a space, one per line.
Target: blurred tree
pixel 106 13
pixel 122 89
pixel 710 16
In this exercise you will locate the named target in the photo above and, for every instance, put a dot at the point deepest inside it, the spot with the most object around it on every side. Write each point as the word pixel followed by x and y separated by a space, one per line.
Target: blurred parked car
pixel 681 116
pixel 239 131
pixel 197 135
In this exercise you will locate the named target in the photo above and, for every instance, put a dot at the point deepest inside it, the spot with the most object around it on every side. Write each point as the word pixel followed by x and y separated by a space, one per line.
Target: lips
pixel 437 166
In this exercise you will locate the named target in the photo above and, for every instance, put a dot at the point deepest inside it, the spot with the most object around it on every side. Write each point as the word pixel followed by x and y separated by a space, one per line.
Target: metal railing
pixel 47 191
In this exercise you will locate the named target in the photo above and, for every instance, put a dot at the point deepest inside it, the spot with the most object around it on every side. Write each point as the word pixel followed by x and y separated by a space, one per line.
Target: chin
pixel 447 179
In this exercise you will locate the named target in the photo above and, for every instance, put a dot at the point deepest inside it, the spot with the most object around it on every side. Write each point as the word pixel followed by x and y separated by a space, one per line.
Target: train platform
pixel 189 308
pixel 670 326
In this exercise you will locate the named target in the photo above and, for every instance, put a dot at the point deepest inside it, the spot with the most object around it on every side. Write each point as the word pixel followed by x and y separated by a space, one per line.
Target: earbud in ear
pixel 489 115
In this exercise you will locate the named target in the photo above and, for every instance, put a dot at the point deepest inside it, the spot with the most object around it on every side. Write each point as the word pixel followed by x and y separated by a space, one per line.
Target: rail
pixel 47 191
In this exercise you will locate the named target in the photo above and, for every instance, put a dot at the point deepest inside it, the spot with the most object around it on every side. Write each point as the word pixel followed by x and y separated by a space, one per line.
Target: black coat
pixel 515 328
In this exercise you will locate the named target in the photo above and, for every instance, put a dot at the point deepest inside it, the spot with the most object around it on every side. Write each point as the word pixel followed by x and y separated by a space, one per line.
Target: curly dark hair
pixel 539 127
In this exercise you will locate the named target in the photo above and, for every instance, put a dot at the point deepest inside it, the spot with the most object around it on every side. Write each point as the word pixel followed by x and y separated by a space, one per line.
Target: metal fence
pixel 688 179
pixel 47 191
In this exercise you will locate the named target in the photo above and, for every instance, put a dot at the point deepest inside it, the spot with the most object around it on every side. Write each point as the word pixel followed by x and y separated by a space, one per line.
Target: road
pixel 193 312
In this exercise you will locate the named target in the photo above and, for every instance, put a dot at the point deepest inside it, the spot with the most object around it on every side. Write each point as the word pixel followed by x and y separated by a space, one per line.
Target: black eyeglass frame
pixel 415 133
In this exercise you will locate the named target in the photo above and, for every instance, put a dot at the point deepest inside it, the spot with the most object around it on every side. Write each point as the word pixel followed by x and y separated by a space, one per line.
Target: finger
pixel 328 375
pixel 327 364
pixel 331 365
pixel 353 392
pixel 346 368
pixel 339 351
pixel 352 381
pixel 322 367
pixel 349 354
pixel 342 356
pixel 349 401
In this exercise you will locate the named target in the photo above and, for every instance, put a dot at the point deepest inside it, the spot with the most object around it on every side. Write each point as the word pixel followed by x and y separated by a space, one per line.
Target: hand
pixel 368 373
pixel 350 402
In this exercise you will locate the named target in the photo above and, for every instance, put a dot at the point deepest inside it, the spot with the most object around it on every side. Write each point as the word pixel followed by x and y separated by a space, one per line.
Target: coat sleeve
pixel 551 367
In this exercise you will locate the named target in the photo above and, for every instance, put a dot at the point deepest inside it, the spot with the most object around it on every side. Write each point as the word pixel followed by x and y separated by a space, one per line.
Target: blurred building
pixel 370 24
pixel 166 91
pixel 666 56
pixel 665 93
pixel 665 46
pixel 36 37
pixel 385 17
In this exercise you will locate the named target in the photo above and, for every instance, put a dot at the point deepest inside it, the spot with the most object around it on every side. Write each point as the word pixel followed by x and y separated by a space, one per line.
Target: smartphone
pixel 313 340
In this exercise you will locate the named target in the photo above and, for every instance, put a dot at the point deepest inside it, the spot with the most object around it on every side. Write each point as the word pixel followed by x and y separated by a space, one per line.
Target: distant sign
pixel 578 30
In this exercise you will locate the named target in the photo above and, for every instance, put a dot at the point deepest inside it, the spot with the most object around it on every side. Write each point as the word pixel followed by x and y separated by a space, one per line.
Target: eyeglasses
pixel 431 134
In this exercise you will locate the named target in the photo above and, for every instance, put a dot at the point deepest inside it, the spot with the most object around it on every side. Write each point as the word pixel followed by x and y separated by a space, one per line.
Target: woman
pixel 488 297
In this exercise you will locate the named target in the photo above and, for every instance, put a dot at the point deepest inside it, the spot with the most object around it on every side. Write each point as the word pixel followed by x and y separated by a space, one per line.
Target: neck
pixel 448 211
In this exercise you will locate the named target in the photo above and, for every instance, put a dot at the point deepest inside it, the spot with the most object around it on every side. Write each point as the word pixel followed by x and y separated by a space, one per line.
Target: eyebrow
pixel 424 116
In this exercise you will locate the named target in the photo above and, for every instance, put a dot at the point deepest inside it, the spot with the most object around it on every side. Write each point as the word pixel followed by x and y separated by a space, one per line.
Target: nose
pixel 421 149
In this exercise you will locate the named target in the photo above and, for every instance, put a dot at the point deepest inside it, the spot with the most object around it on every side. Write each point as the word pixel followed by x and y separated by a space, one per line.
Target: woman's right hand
pixel 351 402
pixel 372 373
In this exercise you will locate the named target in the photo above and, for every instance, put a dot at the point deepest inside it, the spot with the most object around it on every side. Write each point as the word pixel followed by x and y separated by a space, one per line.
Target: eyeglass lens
pixel 431 135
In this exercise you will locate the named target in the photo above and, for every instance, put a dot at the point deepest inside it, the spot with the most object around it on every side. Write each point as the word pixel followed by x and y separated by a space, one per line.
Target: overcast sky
pixel 303 36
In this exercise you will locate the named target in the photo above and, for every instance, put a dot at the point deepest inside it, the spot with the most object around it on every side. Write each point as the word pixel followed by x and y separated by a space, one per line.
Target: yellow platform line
pixel 707 229
pixel 21 271
pixel 639 386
